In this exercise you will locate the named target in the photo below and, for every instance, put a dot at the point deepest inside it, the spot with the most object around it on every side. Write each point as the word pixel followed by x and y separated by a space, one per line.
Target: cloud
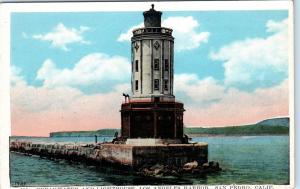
pixel 37 111
pixel 61 36
pixel 185 30
pixel 239 107
pixel 209 103
pixel 40 110
pixel 127 35
pixel 202 92
pixel 273 26
pixel 60 104
pixel 15 76
pixel 95 68
pixel 256 62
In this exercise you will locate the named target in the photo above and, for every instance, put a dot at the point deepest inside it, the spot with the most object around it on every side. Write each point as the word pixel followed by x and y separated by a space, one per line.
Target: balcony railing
pixel 152 30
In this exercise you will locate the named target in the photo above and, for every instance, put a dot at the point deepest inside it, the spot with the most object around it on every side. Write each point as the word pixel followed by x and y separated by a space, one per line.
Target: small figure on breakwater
pixel 116 138
pixel 96 139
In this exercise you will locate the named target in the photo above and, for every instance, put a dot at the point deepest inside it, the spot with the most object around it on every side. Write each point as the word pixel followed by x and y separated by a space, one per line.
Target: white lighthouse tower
pixel 152 60
pixel 152 112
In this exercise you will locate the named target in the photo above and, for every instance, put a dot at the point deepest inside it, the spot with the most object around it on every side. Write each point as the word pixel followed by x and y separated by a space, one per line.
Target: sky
pixel 69 70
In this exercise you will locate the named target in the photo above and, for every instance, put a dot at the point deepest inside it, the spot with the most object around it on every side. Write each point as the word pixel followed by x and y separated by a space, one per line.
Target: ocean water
pixel 244 160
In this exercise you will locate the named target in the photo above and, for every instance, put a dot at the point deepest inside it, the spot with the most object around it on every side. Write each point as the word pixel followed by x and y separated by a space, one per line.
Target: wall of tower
pixel 152 66
pixel 146 67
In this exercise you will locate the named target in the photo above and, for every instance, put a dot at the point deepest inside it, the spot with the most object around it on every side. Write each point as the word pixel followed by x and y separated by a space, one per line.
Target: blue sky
pixel 104 29
pixel 222 59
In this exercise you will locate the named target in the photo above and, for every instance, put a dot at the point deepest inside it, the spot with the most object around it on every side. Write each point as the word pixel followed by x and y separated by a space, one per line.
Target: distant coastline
pixel 274 126
pixel 101 132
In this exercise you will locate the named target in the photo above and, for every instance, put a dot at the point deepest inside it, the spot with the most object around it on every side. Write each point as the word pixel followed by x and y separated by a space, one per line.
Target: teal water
pixel 245 160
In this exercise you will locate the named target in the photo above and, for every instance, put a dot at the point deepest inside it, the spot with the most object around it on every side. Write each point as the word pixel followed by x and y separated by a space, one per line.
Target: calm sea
pixel 245 160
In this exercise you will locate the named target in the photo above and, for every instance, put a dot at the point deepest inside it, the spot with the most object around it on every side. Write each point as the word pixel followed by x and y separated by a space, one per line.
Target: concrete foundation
pixel 170 155
pixel 151 141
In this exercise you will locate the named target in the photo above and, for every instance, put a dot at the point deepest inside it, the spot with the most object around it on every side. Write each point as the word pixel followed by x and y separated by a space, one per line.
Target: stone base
pixel 138 156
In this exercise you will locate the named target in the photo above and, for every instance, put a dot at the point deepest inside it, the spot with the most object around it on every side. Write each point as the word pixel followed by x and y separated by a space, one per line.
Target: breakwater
pixel 148 159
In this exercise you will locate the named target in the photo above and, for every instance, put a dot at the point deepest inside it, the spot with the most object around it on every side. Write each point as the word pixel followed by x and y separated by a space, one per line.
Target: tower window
pixel 156 84
pixel 166 65
pixel 156 64
pixel 166 82
pixel 136 85
pixel 136 65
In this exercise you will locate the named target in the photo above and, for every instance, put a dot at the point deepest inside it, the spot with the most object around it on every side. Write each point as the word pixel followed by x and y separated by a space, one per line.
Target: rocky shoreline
pixel 189 168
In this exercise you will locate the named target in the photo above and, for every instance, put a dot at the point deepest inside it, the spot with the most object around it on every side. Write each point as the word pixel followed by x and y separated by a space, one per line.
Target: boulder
pixel 205 165
pixel 157 169
pixel 190 166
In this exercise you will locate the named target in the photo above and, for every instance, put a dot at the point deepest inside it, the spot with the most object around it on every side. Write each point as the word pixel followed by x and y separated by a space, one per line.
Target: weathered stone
pixel 191 165
pixel 205 165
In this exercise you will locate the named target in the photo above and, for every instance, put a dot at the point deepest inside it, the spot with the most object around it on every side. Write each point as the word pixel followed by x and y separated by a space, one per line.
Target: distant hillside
pixel 101 132
pixel 284 121
pixel 275 126
pixel 239 130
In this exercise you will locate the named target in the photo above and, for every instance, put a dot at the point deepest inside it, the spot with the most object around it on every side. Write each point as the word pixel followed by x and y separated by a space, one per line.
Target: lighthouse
pixel 152 59
pixel 152 115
